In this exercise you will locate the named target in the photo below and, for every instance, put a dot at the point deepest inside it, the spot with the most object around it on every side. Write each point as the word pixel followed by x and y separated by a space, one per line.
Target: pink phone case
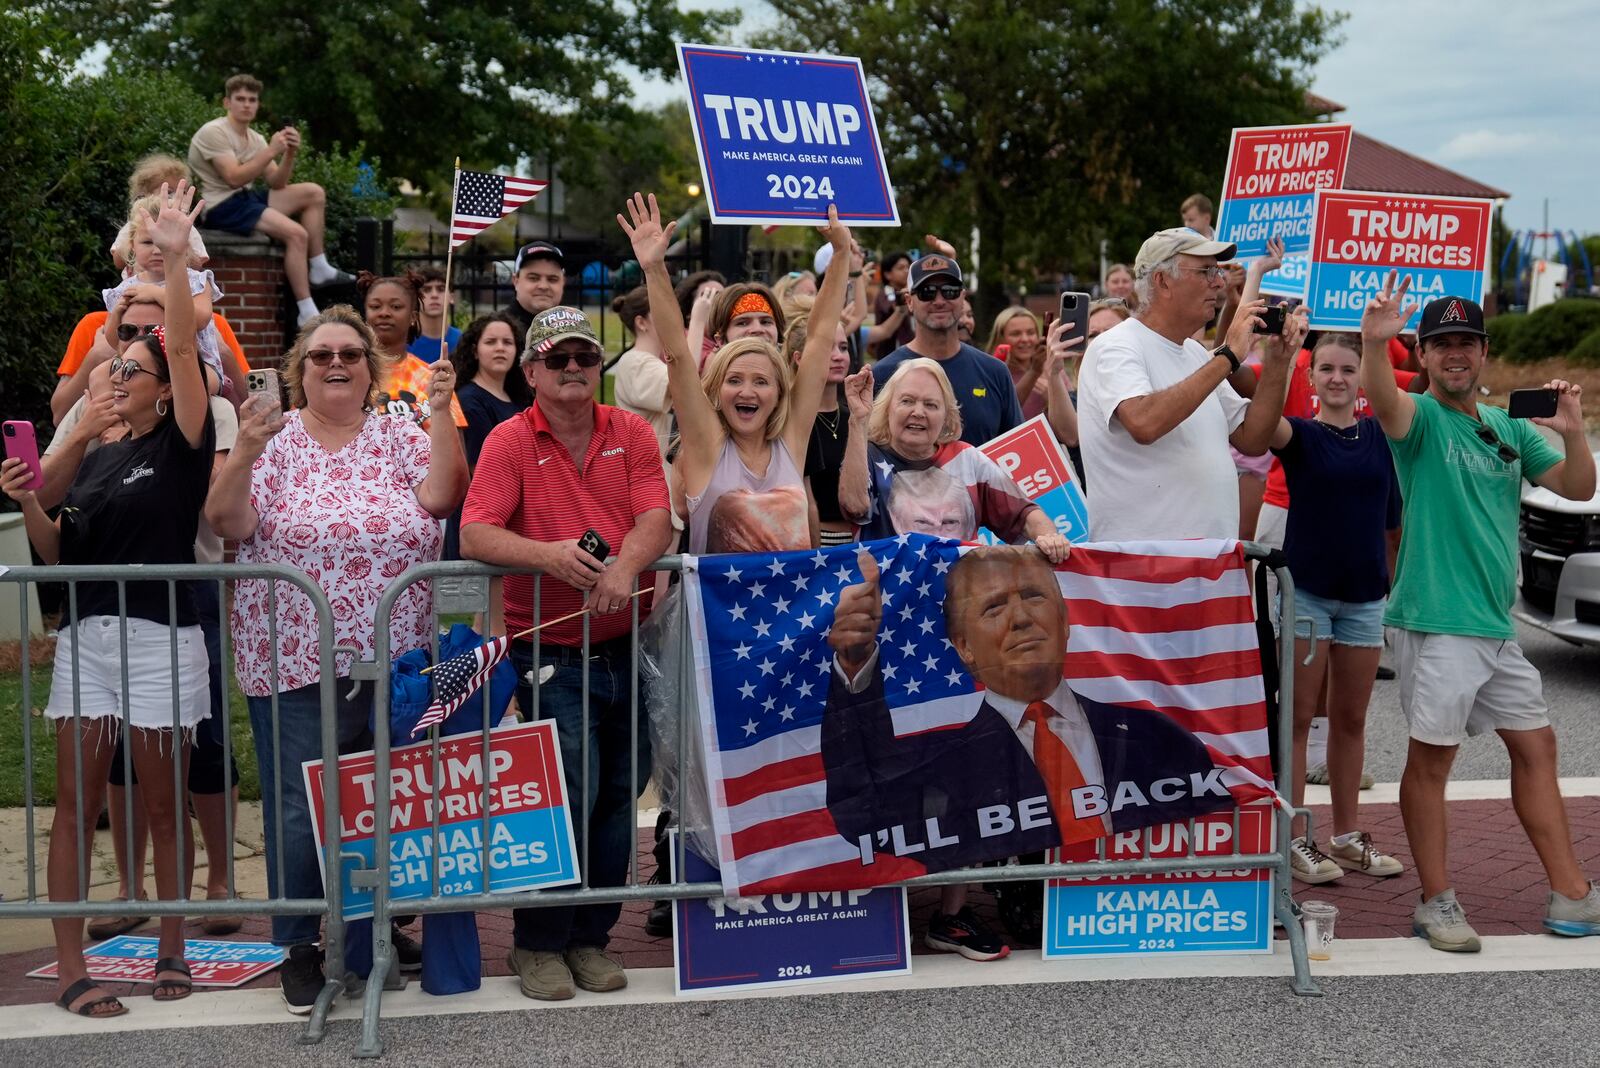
pixel 22 445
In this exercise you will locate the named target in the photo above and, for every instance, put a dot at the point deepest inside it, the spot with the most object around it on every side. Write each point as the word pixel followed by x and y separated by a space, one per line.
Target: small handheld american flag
pixel 483 199
pixel 458 678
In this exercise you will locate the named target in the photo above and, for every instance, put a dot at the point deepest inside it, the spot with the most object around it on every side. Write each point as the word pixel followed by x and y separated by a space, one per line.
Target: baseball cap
pixel 1179 240
pixel 555 325
pixel 538 250
pixel 1451 315
pixel 934 265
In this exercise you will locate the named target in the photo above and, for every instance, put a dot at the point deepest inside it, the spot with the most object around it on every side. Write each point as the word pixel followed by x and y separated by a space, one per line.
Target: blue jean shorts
pixel 1358 623
pixel 238 214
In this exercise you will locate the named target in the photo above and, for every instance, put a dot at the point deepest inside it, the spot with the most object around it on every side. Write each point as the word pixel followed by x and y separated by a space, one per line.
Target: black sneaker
pixel 301 979
pixel 965 934
pixel 1385 674
pixel 407 950
pixel 658 922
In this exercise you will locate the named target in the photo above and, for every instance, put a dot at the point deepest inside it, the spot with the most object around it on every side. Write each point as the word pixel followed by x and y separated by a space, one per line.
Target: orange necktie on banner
pixel 1061 776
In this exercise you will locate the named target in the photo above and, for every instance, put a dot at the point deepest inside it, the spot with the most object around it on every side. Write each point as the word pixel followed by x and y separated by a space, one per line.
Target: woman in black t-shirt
pixel 487 360
pixel 829 436
pixel 136 501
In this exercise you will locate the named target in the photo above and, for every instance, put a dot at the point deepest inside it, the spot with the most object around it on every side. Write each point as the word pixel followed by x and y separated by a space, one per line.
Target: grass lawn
pixel 13 717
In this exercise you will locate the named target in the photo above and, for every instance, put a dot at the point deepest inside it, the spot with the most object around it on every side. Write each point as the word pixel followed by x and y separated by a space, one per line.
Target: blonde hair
pixel 151 172
pixel 783 288
pixel 878 421
pixel 294 361
pixel 997 331
pixel 717 370
pixel 140 214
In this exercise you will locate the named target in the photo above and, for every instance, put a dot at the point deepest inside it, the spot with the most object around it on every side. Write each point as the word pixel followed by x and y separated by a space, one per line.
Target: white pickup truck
pixel 1559 541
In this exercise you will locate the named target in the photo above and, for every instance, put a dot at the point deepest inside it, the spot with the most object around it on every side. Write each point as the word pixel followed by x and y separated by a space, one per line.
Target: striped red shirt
pixel 525 482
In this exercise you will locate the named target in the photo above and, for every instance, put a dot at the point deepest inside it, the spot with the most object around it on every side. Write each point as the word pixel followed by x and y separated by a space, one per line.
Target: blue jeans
pixel 610 795
pixel 300 736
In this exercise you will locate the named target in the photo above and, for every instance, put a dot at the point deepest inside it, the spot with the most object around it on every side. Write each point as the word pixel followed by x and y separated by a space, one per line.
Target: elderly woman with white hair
pixel 915 425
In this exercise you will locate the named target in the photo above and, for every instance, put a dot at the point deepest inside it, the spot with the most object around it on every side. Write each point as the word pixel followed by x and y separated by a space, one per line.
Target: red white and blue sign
pixel 1226 910
pixel 530 844
pixel 1441 243
pixel 1271 176
pixel 132 959
pixel 1033 459
pixel 781 135
pixel 774 940
pixel 1290 279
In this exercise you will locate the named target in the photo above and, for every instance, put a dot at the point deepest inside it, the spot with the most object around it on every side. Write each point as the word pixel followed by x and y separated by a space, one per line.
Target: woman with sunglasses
pixel 135 501
pixel 353 497
pixel 746 427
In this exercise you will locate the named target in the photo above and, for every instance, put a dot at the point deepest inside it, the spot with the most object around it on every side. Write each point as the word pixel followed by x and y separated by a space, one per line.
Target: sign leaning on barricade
pixel 209 584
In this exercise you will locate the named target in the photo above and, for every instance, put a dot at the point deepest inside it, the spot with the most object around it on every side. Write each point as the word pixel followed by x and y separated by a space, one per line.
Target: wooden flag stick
pixel 550 623
pixel 449 258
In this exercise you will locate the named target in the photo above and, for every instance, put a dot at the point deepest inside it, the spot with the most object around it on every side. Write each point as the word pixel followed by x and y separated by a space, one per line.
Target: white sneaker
pixel 1310 865
pixel 1360 855
pixel 1443 923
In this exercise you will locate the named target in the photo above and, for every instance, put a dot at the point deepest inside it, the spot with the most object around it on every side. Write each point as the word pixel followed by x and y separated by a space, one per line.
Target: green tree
pixel 1049 125
pixel 420 81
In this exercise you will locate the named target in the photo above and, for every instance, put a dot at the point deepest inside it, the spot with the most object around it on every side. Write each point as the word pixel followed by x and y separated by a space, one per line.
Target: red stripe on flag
pixel 1213 667
pixel 1095 563
pixel 1235 720
pixel 1139 619
pixel 845 875
pixel 785 831
pixel 782 775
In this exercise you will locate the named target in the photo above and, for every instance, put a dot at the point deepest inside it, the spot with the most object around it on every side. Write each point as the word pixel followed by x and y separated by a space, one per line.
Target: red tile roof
pixel 1382 168
pixel 1319 106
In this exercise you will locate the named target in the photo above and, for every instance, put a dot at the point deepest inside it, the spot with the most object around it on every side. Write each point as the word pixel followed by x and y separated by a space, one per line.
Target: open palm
pixel 175 218
pixel 643 226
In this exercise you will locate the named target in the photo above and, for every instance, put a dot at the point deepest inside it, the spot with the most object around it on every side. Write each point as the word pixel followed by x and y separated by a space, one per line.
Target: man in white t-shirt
pixel 1156 413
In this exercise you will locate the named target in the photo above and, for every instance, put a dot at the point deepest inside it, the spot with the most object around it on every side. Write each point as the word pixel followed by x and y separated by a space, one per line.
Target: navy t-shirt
pixel 1343 497
pixel 983 388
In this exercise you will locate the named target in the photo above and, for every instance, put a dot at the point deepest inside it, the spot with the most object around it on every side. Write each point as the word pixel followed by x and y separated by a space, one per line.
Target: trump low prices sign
pixel 530 843
pixel 1032 457
pixel 1225 910
pixel 781 135
pixel 1272 173
pixel 1441 243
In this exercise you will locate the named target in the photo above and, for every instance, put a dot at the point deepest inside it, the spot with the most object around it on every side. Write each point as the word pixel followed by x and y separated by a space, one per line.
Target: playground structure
pixel 1518 263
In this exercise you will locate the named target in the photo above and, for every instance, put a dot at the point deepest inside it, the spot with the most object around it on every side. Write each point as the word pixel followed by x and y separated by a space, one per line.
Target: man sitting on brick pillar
pixel 228 156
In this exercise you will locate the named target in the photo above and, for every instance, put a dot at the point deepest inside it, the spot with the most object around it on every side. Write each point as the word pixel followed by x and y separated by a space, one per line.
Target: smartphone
pixel 265 383
pixel 1525 404
pixel 22 445
pixel 890 295
pixel 1002 352
pixel 1272 320
pixel 1075 313
pixel 593 544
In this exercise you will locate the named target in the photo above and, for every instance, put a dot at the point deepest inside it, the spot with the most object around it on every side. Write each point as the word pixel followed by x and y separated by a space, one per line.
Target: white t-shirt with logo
pixel 1183 485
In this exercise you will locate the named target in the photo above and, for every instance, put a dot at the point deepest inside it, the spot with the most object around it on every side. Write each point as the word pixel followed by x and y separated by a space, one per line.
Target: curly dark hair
pixel 466 357
pixel 410 281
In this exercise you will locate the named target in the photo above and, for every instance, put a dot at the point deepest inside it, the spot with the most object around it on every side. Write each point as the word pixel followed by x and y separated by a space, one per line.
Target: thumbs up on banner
pixel 856 618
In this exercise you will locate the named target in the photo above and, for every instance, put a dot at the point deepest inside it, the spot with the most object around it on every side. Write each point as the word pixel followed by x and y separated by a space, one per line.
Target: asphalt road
pixel 1571 688
pixel 1548 1019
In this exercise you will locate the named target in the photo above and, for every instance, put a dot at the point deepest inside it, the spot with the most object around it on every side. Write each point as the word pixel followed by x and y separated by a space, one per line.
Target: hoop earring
pixel 161 409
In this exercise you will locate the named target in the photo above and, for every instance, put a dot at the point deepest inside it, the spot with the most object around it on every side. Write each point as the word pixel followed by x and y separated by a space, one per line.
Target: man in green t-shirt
pixel 1461 466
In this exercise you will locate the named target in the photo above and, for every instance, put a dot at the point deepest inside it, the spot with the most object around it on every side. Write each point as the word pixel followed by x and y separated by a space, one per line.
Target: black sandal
pixel 184 986
pixel 82 987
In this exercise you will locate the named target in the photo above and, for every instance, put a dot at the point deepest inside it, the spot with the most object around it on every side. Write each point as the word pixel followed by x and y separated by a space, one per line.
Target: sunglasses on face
pixel 557 361
pixel 1506 453
pixel 931 290
pixel 123 369
pixel 129 331
pixel 347 357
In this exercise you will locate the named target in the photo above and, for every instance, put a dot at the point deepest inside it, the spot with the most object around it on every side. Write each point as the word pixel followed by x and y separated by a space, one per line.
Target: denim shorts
pixel 1357 623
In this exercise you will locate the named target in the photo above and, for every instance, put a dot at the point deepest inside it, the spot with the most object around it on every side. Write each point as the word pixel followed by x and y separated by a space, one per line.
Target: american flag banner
pixel 819 782
pixel 483 199
pixel 458 678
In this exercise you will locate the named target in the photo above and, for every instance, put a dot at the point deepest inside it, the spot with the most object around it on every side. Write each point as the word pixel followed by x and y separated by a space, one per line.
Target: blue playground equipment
pixel 1516 261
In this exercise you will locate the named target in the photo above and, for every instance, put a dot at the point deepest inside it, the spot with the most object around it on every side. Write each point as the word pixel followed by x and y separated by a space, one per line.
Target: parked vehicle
pixel 1560 566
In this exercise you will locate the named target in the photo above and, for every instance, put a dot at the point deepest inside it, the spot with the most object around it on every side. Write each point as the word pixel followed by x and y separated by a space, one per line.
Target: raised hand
pixel 939 245
pixel 837 233
pixel 1272 260
pixel 1241 333
pixel 441 386
pixel 259 420
pixel 856 618
pixel 1569 411
pixel 173 221
pixel 1058 350
pixel 858 393
pixel 14 476
pixel 644 229
pixel 1387 313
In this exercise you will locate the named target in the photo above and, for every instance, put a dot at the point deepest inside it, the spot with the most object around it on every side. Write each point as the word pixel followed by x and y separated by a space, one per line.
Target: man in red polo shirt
pixel 545 477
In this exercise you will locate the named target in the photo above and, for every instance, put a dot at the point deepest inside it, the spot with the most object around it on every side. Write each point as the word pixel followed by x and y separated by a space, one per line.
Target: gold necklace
pixel 833 425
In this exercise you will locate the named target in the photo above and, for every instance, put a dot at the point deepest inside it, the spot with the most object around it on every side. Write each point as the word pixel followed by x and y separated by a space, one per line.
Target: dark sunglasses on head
pixel 348 357
pixel 124 369
pixel 930 290
pixel 129 331
pixel 1506 453
pixel 557 361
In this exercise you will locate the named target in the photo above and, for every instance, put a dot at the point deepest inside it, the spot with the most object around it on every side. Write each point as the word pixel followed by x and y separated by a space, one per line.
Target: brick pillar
pixel 250 272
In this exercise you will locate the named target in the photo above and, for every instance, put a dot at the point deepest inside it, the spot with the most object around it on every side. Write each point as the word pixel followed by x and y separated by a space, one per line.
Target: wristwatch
pixel 1226 353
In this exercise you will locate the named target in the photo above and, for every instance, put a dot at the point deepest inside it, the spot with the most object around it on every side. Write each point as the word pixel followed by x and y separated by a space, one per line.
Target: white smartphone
pixel 265 383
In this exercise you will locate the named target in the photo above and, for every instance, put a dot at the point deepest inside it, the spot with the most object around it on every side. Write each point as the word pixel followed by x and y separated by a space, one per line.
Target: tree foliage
pixel 420 81
pixel 1050 124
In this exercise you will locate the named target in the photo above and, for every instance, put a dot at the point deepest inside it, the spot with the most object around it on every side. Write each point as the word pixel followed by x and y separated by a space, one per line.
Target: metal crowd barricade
pixel 465 588
pixel 35 906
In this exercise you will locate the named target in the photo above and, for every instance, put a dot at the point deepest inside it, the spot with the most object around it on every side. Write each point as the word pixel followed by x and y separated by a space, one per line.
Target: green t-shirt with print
pixel 1457 571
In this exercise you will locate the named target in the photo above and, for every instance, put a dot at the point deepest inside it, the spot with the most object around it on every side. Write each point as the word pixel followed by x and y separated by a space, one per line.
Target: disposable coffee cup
pixel 1317 918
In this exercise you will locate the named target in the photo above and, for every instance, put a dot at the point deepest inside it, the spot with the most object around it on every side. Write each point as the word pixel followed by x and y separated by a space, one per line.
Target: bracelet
pixel 1226 353
pixel 856 274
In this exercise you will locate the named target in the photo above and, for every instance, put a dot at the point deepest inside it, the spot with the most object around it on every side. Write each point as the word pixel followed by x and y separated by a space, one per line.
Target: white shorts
pixel 1453 686
pixel 151 691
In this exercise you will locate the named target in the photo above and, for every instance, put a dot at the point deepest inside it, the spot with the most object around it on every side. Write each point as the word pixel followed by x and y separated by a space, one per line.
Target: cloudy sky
pixel 1503 92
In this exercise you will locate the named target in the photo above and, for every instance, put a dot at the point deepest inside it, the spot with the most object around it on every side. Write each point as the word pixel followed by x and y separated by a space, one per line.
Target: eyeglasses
pixel 557 361
pixel 348 357
pixel 1215 273
pixel 931 290
pixel 129 331
pixel 1506 453
pixel 124 369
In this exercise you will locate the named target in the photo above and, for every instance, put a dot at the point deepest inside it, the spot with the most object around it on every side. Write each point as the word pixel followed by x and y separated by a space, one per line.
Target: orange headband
pixel 750 302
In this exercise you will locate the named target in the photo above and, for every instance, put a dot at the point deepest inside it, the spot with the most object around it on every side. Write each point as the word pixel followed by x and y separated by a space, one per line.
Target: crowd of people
pixel 841 404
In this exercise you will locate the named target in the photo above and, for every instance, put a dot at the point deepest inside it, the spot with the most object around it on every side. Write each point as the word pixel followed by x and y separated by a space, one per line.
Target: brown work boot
pixel 595 971
pixel 541 974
